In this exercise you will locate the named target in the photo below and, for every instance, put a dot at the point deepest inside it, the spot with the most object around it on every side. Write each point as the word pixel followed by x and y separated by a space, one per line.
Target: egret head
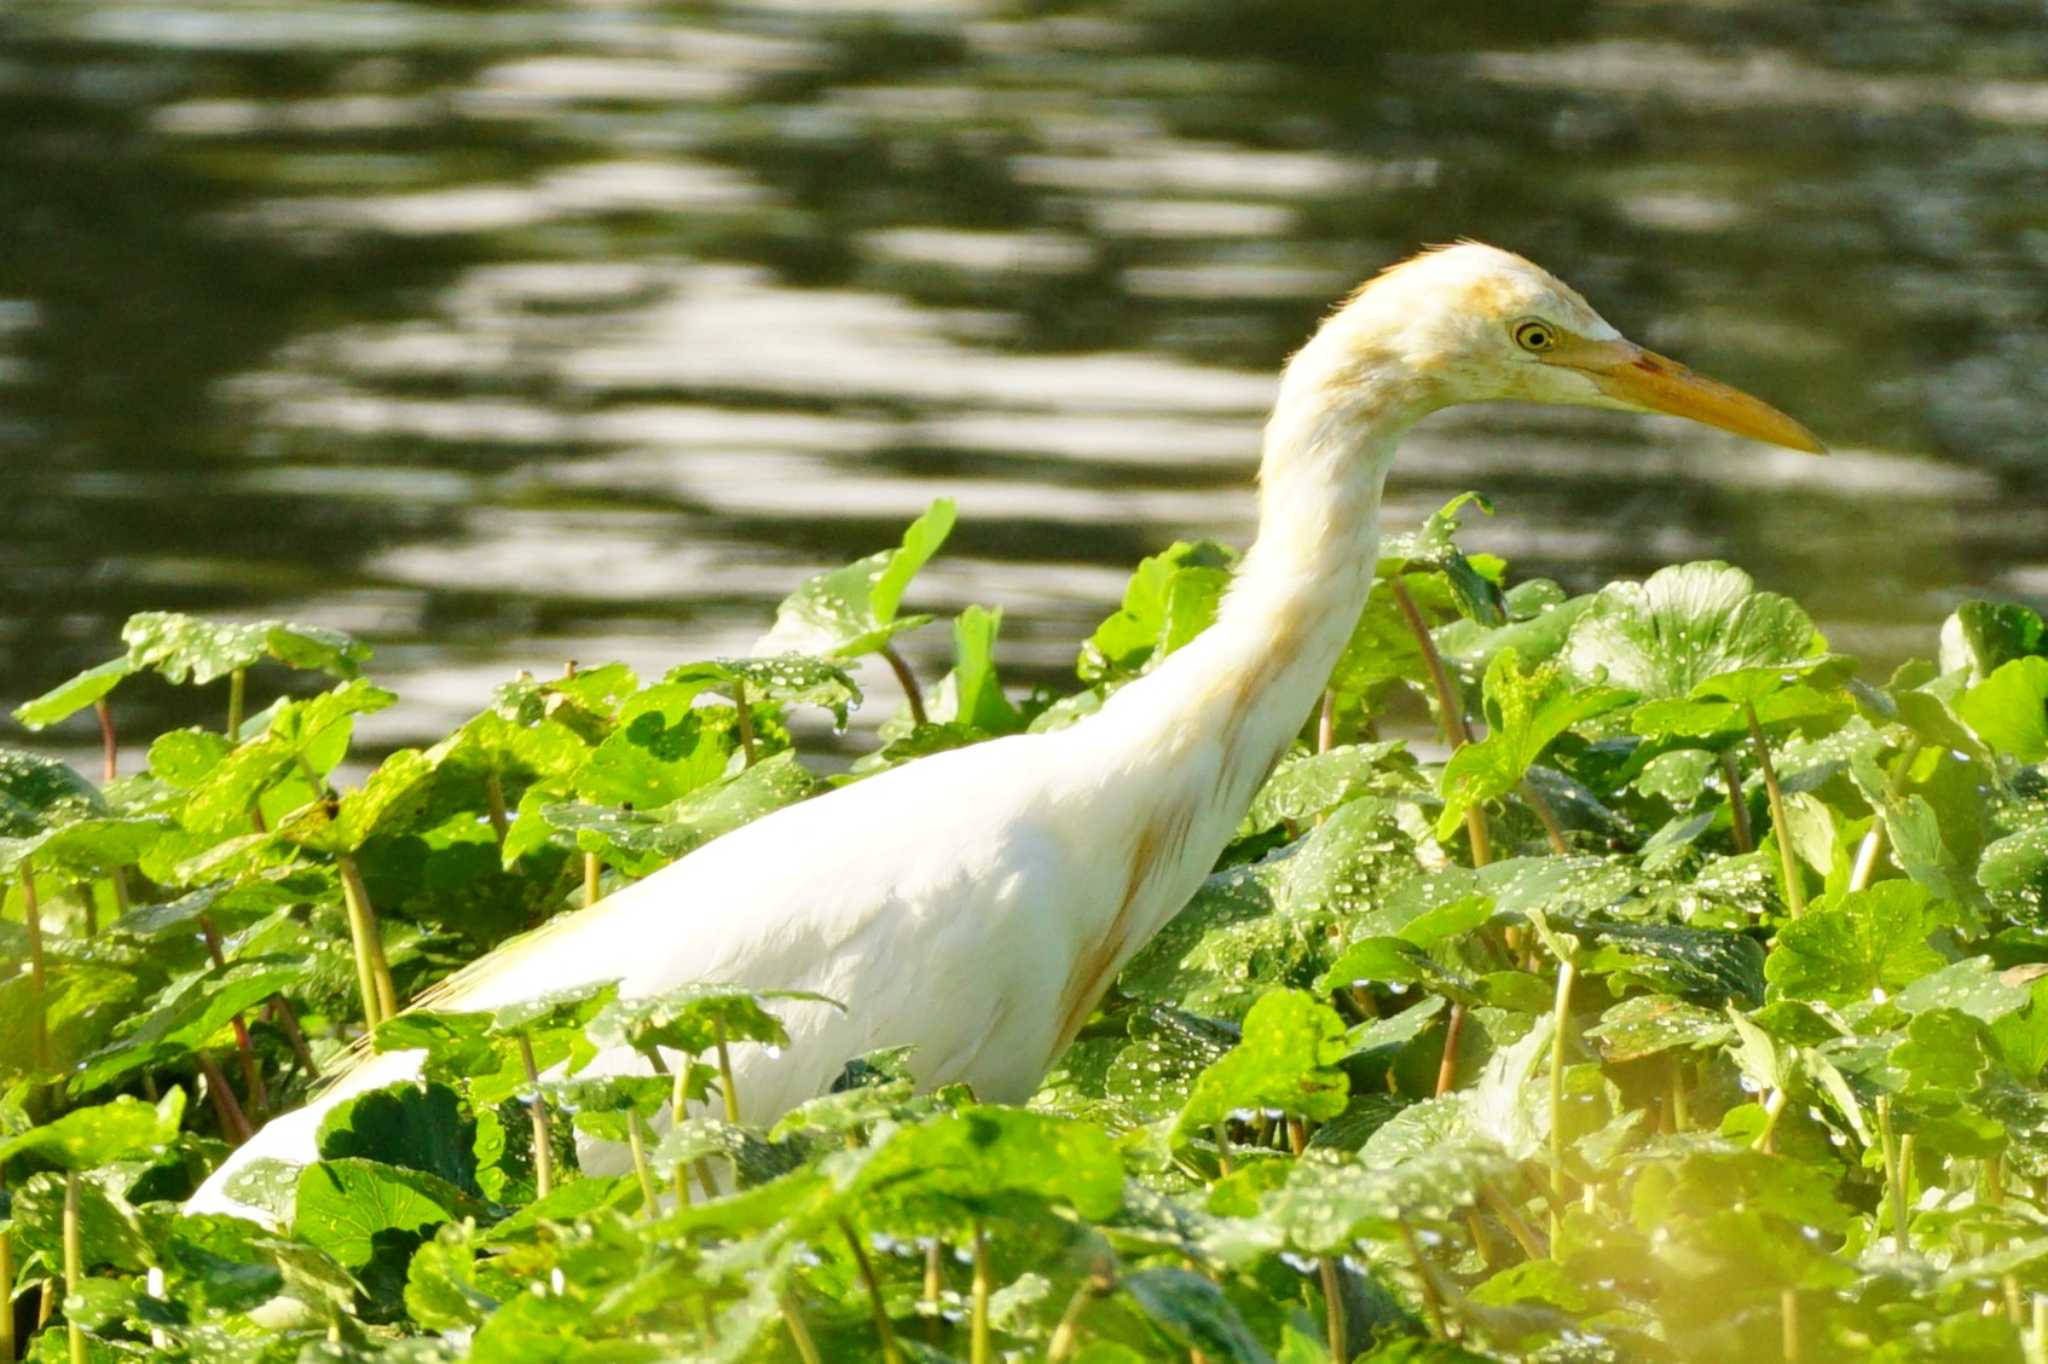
pixel 1472 323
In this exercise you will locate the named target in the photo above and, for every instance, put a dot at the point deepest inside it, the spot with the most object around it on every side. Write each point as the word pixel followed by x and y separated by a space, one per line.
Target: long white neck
pixel 1213 718
pixel 1165 771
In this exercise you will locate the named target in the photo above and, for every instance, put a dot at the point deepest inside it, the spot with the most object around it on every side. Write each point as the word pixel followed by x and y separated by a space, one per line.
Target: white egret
pixel 975 905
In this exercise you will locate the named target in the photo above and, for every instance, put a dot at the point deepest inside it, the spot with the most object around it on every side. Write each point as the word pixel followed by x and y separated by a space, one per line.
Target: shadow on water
pixel 503 335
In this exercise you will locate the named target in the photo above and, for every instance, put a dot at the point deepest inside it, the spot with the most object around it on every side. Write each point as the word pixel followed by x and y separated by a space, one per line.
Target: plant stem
pixel 1788 860
pixel 746 714
pixel 110 746
pixel 638 1145
pixel 234 1123
pixel 725 1080
pixel 1552 830
pixel 876 1306
pixel 592 870
pixel 494 805
pixel 982 1350
pixel 1326 723
pixel 543 1130
pixel 1788 1317
pixel 1738 808
pixel 1447 1069
pixel 245 1050
pixel 798 1332
pixel 7 1342
pixel 1431 1301
pixel 1868 852
pixel 362 931
pixel 1222 1148
pixel 1774 1108
pixel 74 1263
pixel 1560 1022
pixel 238 695
pixel 1450 712
pixel 908 681
pixel 39 1021
pixel 288 1024
pixel 1681 1100
pixel 1068 1331
pixel 2038 1345
pixel 1895 1185
pixel 1326 1265
pixel 1518 1226
pixel 934 1286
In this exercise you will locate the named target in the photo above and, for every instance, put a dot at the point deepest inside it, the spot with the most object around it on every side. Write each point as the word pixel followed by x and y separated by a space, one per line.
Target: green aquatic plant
pixel 1688 1002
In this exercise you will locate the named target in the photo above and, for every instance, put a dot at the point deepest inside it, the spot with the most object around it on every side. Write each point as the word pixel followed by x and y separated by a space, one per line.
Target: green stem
pixel 876 1306
pixel 798 1332
pixel 245 1050
pixel 725 1080
pixel 908 681
pixel 1895 1185
pixel 543 1130
pixel 1560 1024
pixel 746 714
pixel 1681 1100
pixel 234 1123
pixel 238 696
pixel 1774 1108
pixel 1067 1332
pixel 1326 1266
pixel 110 746
pixel 1326 723
pixel 1788 860
pixel 638 1143
pixel 934 1286
pixel 1223 1166
pixel 74 1263
pixel 1518 1226
pixel 1447 1069
pixel 362 932
pixel 7 1341
pixel 1738 808
pixel 592 870
pixel 39 1022
pixel 1868 853
pixel 1552 830
pixel 494 805
pixel 288 1024
pixel 1788 1318
pixel 982 1350
pixel 1432 1302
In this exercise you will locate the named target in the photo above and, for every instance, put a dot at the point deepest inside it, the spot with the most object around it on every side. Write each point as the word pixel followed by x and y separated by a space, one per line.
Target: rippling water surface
pixel 504 335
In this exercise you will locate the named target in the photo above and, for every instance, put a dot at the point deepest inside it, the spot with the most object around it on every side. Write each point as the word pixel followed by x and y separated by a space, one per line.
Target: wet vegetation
pixel 1688 1003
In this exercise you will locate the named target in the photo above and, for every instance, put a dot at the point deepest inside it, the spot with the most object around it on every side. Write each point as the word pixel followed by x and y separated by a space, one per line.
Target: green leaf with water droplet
pixel 852 611
pixel 187 649
pixel 1868 943
pixel 2009 709
pixel 89 1137
pixel 73 695
pixel 1286 1063
pixel 787 679
pixel 1662 637
pixel 1193 1313
pixel 1525 712
pixel 1171 597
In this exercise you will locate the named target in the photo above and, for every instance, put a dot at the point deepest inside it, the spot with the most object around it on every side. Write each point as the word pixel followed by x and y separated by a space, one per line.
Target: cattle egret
pixel 974 905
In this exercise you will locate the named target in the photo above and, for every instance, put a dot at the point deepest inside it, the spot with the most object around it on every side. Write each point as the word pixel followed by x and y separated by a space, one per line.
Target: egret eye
pixel 1532 335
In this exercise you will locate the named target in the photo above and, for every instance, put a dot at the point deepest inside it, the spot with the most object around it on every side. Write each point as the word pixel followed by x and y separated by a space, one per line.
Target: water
pixel 508 335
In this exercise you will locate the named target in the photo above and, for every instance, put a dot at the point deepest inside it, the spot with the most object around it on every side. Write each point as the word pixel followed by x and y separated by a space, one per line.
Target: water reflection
pixel 511 335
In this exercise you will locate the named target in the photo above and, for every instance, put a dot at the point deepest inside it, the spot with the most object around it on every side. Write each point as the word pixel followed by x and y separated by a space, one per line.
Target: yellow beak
pixel 1646 380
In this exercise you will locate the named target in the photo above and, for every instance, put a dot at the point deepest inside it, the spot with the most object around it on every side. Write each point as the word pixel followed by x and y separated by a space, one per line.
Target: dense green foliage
pixel 1694 1010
